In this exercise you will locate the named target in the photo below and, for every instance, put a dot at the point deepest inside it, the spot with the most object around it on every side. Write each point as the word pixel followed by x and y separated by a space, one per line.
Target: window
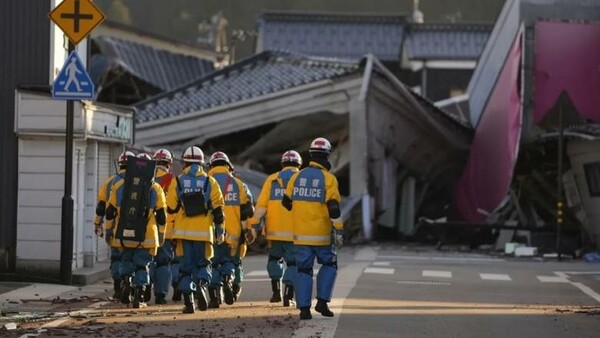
pixel 592 176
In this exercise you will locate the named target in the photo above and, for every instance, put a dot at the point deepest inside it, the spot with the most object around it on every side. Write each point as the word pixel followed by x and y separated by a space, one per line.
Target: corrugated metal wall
pixel 24 60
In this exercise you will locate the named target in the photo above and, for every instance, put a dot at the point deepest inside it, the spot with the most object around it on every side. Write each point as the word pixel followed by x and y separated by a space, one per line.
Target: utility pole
pixel 559 202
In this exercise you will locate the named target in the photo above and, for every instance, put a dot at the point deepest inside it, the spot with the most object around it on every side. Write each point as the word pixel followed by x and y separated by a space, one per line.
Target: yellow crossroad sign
pixel 77 18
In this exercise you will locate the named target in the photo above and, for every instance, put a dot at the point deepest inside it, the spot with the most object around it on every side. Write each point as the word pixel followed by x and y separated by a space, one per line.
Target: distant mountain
pixel 179 19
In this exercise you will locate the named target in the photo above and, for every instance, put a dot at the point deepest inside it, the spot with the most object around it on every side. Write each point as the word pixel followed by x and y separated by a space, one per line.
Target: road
pixel 381 291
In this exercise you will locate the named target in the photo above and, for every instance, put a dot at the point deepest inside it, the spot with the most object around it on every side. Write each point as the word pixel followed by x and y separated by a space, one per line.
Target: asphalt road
pixel 384 291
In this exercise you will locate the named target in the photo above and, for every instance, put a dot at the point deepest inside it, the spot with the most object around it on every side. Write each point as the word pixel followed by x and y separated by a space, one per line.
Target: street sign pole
pixel 66 229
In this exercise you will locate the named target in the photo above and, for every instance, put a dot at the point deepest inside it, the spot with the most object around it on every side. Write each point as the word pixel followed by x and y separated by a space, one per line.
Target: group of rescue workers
pixel 197 225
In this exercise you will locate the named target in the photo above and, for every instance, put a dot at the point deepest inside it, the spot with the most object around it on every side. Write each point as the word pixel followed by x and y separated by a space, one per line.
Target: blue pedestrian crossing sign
pixel 73 82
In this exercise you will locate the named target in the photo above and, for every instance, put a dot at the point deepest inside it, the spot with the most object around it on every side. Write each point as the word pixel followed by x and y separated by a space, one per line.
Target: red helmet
pixel 163 155
pixel 144 156
pixel 321 145
pixel 193 155
pixel 123 157
pixel 291 156
pixel 220 156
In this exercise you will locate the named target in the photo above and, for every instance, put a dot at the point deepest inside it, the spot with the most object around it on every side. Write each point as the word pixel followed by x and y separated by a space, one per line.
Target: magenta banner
pixel 567 57
pixel 489 170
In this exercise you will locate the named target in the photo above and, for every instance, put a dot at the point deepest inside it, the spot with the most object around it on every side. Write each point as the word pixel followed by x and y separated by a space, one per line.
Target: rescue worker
pixel 245 240
pixel 197 203
pixel 161 267
pixel 137 256
pixel 279 228
pixel 236 213
pixel 103 197
pixel 313 197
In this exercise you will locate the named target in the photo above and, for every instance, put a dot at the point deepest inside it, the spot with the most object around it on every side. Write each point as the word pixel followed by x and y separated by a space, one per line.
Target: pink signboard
pixel 489 170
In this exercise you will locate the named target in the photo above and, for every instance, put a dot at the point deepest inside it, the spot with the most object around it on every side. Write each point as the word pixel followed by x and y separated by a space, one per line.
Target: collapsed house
pixel 394 150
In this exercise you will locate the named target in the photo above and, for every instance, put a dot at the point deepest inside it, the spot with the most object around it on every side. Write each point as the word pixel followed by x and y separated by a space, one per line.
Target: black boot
pixel 126 290
pixel 176 293
pixel 228 289
pixel 160 299
pixel 202 295
pixel 323 309
pixel 214 300
pixel 188 300
pixel 148 293
pixel 117 288
pixel 305 313
pixel 237 291
pixel 138 297
pixel 276 287
pixel 288 295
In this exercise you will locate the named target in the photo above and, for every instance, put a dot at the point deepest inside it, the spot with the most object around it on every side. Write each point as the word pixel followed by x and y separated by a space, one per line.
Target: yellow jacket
pixel 104 195
pixel 310 189
pixel 156 203
pixel 162 179
pixel 234 195
pixel 279 221
pixel 196 228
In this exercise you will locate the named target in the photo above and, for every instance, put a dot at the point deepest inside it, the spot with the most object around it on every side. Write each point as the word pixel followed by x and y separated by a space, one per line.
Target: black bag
pixel 133 218
pixel 194 202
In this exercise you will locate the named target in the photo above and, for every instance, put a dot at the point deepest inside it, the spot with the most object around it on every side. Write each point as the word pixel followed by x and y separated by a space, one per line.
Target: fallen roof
pixel 348 36
pixel 163 69
pixel 447 41
pixel 261 74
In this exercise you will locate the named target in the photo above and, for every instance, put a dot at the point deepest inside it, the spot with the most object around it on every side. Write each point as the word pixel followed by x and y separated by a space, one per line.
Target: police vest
pixel 309 186
pixel 229 188
pixel 277 190
pixel 110 185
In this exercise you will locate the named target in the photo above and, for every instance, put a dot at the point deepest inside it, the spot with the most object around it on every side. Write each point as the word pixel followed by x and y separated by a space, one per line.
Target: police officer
pixel 103 197
pixel 197 203
pixel 313 197
pixel 137 256
pixel 161 267
pixel 279 228
pixel 236 201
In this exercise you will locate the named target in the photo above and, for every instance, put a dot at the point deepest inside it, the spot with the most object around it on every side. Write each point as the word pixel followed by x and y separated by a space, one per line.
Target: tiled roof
pixel 446 41
pixel 333 35
pixel 261 74
pixel 160 68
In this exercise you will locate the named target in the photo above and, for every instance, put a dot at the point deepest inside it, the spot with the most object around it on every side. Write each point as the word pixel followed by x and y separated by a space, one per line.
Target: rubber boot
pixel 323 309
pixel 188 300
pixel 237 291
pixel 288 295
pixel 176 293
pixel 228 290
pixel 148 293
pixel 126 290
pixel 202 295
pixel 214 300
pixel 138 297
pixel 117 288
pixel 305 313
pixel 276 287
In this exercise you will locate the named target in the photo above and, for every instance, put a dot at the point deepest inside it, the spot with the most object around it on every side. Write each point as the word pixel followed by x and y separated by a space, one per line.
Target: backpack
pixel 194 202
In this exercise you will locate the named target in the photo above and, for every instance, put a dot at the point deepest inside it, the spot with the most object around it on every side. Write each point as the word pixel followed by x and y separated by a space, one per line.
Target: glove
pixel 161 238
pixel 220 239
pixel 338 236
pixel 219 234
pixel 250 236
pixel 98 230
pixel 108 236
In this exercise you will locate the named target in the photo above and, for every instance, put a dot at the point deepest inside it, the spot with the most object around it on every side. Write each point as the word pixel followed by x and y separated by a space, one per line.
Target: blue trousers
pixel 160 269
pixel 305 259
pixel 115 263
pixel 277 251
pixel 136 263
pixel 194 267
pixel 222 263
pixel 175 270
pixel 239 268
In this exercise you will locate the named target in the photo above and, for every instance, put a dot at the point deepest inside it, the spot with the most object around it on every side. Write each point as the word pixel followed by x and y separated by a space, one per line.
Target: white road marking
pixel 420 282
pixel 584 288
pixel 552 279
pixel 438 274
pixel 381 263
pixel 495 276
pixel 458 259
pixel 381 271
pixel 581 272
pixel 257 273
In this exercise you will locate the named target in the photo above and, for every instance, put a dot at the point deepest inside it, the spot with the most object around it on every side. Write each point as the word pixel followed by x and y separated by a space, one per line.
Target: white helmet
pixel 163 155
pixel 291 156
pixel 321 145
pixel 123 157
pixel 220 156
pixel 193 155
pixel 144 156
